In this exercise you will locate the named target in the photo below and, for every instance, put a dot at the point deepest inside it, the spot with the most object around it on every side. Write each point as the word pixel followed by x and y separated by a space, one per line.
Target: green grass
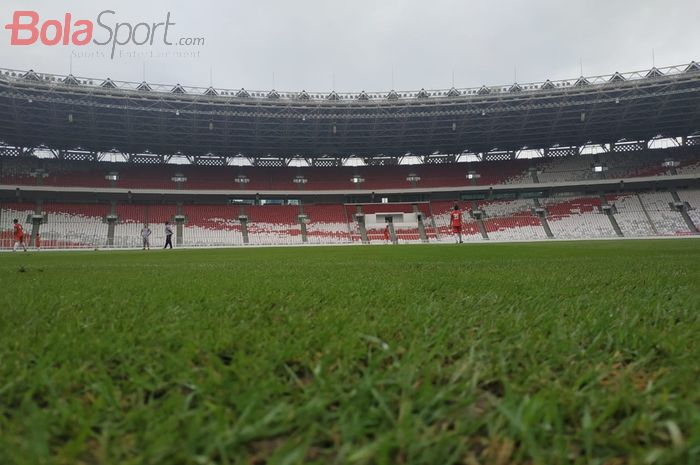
pixel 548 353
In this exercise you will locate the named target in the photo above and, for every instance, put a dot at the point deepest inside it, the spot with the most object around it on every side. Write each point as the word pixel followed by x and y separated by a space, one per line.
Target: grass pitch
pixel 547 353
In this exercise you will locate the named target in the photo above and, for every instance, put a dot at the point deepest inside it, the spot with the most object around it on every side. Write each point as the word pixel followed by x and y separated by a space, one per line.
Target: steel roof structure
pixel 150 122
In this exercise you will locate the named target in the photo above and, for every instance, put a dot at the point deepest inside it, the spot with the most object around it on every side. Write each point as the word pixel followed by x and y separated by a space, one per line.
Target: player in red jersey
pixel 456 222
pixel 19 236
pixel 386 234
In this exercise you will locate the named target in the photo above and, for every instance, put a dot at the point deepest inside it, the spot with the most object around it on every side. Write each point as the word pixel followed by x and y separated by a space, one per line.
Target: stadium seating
pixel 211 225
pixel 666 221
pixel 84 225
pixel 327 224
pixel 407 234
pixel 689 167
pixel 573 168
pixel 577 218
pixel 693 199
pixel 441 219
pixel 630 215
pixel 74 225
pixel 273 224
pixel 511 220
pixel 8 212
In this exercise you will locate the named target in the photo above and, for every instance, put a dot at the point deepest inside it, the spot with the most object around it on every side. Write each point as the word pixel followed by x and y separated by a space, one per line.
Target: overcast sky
pixel 353 45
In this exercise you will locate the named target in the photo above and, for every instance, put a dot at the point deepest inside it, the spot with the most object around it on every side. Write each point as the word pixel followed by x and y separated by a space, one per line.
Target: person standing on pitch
pixel 168 235
pixel 456 220
pixel 19 236
pixel 146 234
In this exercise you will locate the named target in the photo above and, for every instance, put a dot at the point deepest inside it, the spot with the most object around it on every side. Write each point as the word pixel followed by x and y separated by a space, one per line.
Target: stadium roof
pixel 102 115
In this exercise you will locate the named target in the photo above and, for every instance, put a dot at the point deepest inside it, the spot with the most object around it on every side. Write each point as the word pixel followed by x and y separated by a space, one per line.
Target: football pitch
pixel 542 353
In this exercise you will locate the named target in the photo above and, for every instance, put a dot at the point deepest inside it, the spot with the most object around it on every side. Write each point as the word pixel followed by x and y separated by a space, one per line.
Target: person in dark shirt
pixel 168 235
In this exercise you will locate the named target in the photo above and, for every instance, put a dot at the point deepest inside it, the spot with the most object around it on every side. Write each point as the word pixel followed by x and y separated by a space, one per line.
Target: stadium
pixel 500 274
pixel 272 168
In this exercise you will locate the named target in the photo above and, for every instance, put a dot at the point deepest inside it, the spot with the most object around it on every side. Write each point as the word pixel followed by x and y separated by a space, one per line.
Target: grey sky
pixel 307 42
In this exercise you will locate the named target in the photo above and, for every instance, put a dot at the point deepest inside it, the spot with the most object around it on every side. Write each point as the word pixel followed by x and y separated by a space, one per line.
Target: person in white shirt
pixel 146 234
pixel 168 235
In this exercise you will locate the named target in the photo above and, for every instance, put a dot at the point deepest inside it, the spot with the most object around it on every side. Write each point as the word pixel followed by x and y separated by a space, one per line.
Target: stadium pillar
pixel 533 175
pixel 683 210
pixel 36 225
pixel 360 218
pixel 304 237
pixel 179 225
pixel 421 226
pixel 244 228
pixel 542 215
pixel 608 211
pixel 37 219
pixel 302 223
pixel 111 227
pixel 478 216
pixel 392 233
pixel 646 215
pixel 111 223
pixel 179 229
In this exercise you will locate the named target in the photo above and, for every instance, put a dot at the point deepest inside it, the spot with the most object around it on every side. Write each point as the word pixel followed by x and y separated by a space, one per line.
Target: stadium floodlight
pixel 112 176
pixel 600 168
pixel 413 177
pixel 242 179
pixel 357 179
pixel 300 180
pixel 669 163
pixel 473 175
pixel 179 178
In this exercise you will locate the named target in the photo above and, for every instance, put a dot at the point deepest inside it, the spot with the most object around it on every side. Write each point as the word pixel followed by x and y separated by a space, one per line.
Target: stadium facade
pixel 597 172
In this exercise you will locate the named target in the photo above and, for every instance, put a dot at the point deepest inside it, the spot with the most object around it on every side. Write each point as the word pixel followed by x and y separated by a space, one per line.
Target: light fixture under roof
pixel 39 173
pixel 473 175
